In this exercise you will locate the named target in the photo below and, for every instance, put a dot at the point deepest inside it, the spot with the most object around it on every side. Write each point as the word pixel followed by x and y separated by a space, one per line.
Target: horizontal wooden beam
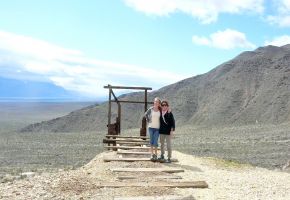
pixel 127 101
pixel 133 152
pixel 126 159
pixel 184 184
pixel 127 87
pixel 152 177
pixel 167 177
pixel 121 136
pixel 167 197
pixel 163 169
pixel 126 140
pixel 131 144
pixel 126 147
pixel 131 159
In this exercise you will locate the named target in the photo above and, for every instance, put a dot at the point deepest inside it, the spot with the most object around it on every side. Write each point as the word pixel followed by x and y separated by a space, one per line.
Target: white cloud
pixel 283 6
pixel 227 39
pixel 201 40
pixel 28 58
pixel 282 15
pixel 206 11
pixel 28 46
pixel 280 20
pixel 279 41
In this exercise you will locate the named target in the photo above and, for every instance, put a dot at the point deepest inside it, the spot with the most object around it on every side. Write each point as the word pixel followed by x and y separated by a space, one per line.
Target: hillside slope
pixel 251 88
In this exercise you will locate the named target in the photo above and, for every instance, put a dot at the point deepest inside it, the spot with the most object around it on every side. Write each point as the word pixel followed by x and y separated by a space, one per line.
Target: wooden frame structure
pixel 115 128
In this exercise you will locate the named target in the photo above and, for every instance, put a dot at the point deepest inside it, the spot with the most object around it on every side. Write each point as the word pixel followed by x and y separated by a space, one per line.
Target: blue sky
pixel 84 45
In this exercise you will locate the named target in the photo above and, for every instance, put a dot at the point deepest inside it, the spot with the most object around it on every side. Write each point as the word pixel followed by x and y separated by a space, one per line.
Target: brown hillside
pixel 252 88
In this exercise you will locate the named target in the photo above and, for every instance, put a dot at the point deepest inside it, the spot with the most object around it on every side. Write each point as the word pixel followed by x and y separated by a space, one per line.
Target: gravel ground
pixel 226 180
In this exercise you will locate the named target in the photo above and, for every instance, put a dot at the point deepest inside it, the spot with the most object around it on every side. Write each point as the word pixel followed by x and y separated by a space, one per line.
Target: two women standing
pixel 160 121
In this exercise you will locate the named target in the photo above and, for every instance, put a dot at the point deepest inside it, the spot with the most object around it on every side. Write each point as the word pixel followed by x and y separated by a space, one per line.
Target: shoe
pixel 153 158
pixel 161 158
pixel 168 160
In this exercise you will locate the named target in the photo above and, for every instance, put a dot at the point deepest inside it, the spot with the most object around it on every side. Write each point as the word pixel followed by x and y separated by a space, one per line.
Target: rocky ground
pixel 226 180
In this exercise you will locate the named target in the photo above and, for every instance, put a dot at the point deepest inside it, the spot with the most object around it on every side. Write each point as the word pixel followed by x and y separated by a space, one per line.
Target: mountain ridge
pixel 251 88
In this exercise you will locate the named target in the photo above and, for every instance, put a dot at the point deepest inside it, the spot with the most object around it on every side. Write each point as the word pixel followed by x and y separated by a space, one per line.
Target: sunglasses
pixel 163 105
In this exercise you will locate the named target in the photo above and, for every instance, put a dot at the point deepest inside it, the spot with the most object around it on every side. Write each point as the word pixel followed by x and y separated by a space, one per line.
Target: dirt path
pixel 226 181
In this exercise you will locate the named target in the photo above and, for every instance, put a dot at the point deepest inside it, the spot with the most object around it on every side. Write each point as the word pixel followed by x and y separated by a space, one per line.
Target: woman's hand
pixel 171 134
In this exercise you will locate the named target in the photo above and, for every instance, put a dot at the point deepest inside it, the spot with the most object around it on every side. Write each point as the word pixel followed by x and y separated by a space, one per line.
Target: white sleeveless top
pixel 155 122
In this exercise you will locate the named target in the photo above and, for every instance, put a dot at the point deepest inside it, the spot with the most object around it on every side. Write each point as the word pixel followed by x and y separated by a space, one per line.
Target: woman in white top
pixel 152 116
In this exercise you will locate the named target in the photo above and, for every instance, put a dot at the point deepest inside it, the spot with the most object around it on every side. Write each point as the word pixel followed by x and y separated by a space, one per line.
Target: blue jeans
pixel 154 135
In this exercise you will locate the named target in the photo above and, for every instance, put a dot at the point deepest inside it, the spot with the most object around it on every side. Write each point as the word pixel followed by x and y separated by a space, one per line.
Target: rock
pixel 28 174
pixel 7 178
pixel 286 167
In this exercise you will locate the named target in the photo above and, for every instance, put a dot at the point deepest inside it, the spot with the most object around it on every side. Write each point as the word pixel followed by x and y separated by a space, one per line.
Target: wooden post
pixel 109 110
pixel 145 106
pixel 143 130
pixel 119 118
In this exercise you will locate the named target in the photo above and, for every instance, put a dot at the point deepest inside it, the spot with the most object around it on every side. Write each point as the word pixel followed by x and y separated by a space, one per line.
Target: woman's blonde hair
pixel 157 99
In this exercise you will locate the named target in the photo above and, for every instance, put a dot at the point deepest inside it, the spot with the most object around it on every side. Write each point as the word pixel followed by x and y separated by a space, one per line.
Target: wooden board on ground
pixel 126 147
pixel 121 136
pixel 183 184
pixel 132 159
pixel 167 177
pixel 163 169
pixel 126 159
pixel 126 140
pixel 168 197
pixel 153 177
pixel 133 145
pixel 134 152
pixel 133 142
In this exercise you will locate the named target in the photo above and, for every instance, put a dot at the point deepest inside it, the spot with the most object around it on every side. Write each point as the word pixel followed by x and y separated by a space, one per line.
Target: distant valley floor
pixel 260 145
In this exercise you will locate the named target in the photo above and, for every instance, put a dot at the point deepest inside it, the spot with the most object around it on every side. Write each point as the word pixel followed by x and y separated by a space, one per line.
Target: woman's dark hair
pixel 164 101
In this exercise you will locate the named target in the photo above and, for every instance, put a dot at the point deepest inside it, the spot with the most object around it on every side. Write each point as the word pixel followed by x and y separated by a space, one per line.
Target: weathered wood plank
pixel 127 143
pixel 153 177
pixel 167 177
pixel 131 159
pixel 127 87
pixel 134 152
pixel 127 177
pixel 164 169
pixel 121 136
pixel 133 143
pixel 126 159
pixel 168 197
pixel 184 184
pixel 125 140
pixel 126 147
